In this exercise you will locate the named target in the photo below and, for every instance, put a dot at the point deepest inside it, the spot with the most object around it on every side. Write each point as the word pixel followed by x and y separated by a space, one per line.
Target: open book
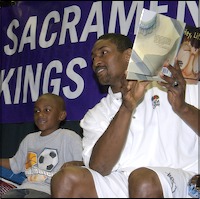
pixel 158 39
pixel 189 53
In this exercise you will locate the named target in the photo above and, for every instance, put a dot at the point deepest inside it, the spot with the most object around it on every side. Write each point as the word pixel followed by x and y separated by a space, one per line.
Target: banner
pixel 45 46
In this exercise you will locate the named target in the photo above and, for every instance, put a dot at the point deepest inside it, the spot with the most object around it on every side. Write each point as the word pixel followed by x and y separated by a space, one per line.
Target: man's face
pixel 109 64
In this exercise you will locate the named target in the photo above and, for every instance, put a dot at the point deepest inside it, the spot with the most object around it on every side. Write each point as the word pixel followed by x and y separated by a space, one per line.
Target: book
pixel 11 177
pixel 158 39
pixel 6 185
pixel 189 54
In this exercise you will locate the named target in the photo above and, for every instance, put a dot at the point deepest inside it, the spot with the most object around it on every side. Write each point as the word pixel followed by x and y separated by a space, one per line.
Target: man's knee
pixel 65 181
pixel 144 182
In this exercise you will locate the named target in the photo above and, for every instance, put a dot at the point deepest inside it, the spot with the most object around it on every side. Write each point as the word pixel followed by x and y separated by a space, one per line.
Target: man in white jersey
pixel 141 140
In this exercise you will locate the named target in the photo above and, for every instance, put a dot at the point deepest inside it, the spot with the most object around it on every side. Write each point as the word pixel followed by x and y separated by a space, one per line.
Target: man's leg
pixel 73 182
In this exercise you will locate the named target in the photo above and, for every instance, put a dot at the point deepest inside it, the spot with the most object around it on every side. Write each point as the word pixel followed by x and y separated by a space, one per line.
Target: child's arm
pixel 5 163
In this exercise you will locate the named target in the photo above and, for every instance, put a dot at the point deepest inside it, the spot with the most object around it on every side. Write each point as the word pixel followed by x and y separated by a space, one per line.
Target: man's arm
pixel 190 115
pixel 108 148
pixel 176 96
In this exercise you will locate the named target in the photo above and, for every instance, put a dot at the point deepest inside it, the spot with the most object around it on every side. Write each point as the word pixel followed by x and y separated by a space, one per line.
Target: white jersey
pixel 157 136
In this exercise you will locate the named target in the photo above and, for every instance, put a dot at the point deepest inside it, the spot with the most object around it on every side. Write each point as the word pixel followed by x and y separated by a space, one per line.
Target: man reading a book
pixel 141 140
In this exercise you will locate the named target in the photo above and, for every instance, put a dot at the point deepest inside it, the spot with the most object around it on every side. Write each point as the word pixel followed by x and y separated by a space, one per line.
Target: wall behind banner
pixel 45 46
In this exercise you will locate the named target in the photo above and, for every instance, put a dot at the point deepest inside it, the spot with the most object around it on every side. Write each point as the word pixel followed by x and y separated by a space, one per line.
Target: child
pixel 194 186
pixel 42 153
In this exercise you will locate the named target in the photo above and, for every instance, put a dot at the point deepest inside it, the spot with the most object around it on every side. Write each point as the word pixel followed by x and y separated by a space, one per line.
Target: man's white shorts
pixel 115 185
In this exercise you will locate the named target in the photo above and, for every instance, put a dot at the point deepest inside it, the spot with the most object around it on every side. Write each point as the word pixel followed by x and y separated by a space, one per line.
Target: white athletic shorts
pixel 115 185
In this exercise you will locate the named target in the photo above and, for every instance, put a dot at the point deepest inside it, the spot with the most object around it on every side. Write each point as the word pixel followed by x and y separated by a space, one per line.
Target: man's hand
pixel 132 92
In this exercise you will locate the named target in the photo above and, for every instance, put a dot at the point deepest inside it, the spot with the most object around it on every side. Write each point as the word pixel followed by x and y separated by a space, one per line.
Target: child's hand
pixel 194 186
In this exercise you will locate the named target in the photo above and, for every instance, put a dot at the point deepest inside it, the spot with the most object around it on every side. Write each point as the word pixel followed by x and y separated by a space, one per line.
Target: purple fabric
pixel 45 46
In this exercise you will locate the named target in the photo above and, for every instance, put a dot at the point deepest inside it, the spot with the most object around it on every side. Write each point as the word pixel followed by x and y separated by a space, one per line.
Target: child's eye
pixel 48 110
pixel 36 111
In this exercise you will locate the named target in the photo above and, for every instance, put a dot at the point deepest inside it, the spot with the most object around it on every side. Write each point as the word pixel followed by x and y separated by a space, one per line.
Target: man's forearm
pixel 108 148
pixel 190 115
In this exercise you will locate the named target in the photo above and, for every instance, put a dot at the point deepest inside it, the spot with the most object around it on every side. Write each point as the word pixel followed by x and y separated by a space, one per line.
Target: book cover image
pixel 158 39
pixel 189 53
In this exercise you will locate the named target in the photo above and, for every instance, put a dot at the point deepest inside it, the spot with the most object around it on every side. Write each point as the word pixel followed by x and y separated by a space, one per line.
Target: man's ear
pixel 128 54
pixel 63 115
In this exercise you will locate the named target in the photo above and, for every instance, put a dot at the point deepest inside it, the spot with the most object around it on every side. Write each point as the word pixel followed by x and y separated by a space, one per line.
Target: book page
pixel 158 39
pixel 189 54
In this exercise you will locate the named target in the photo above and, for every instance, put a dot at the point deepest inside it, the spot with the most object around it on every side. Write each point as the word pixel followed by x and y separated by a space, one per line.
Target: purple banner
pixel 45 46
